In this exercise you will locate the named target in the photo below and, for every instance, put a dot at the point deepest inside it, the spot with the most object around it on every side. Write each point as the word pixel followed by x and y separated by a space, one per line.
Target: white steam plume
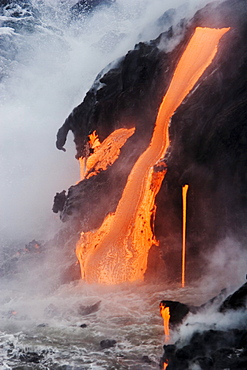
pixel 226 265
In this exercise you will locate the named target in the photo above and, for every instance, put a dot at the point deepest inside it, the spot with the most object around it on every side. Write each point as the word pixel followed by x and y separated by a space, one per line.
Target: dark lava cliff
pixel 208 134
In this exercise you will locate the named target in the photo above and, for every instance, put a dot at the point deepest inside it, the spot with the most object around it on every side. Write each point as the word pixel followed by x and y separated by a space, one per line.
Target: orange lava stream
pixel 106 268
pixel 92 144
pixel 119 249
pixel 165 313
pixel 184 195
pixel 105 153
pixel 165 365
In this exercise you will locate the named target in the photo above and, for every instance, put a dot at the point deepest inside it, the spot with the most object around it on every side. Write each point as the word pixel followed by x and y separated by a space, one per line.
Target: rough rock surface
pixel 107 343
pixel 208 138
pixel 178 311
pixel 236 301
pixel 213 348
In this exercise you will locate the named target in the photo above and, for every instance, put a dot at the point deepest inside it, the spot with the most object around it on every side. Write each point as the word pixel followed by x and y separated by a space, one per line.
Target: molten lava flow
pixel 118 251
pixel 165 313
pixel 99 156
pixel 184 196
pixel 140 234
pixel 92 143
pixel 94 140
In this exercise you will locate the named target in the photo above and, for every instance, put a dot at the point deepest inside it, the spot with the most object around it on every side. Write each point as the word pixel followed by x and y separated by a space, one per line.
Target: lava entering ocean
pixel 165 313
pixel 118 251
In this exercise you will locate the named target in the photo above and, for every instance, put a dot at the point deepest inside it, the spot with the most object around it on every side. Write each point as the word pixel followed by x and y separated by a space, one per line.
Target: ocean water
pixel 48 60
pixel 47 325
pixel 56 330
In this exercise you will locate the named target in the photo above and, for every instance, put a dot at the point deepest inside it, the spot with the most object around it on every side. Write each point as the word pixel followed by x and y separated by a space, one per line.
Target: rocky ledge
pixel 213 348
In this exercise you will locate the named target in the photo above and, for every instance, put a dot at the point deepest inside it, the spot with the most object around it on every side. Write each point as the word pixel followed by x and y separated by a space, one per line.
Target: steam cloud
pixel 226 264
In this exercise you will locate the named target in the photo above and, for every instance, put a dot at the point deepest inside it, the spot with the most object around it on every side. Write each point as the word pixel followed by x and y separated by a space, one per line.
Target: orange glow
pixel 165 365
pixel 92 144
pixel 82 162
pixel 165 313
pixel 103 154
pixel 184 196
pixel 118 250
pixel 131 256
pixel 93 140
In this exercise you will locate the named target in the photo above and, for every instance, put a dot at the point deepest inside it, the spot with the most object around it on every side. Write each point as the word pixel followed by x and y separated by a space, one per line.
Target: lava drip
pixel 184 196
pixel 165 313
pixel 118 251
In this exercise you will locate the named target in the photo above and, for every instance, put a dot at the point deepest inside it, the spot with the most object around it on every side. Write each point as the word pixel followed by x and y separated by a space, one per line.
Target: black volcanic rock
pixel 87 310
pixel 212 348
pixel 178 311
pixel 236 301
pixel 216 301
pixel 87 6
pixel 117 99
pixel 59 201
pixel 107 343
pixel 208 138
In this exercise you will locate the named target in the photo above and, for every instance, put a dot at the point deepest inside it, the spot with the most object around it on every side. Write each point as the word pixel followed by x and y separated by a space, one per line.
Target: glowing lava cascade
pixel 105 154
pixel 118 250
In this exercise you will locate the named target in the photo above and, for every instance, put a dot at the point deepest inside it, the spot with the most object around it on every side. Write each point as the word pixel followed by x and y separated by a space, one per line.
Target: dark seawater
pixel 49 325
